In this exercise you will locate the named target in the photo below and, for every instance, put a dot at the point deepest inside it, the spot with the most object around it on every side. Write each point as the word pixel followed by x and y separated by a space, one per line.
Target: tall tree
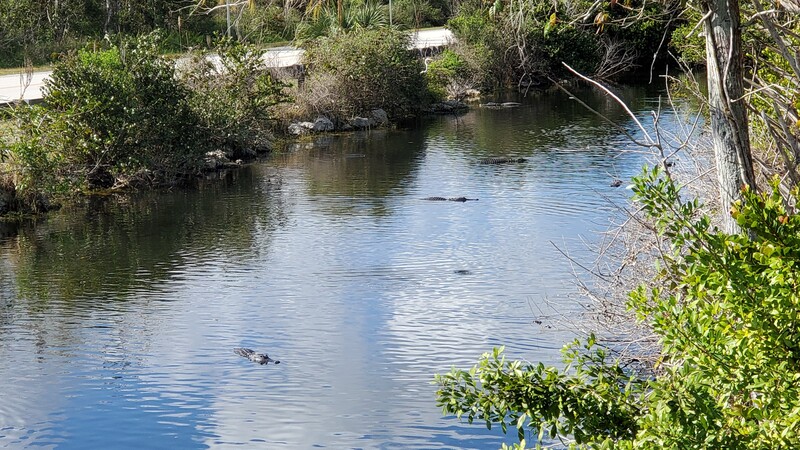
pixel 729 124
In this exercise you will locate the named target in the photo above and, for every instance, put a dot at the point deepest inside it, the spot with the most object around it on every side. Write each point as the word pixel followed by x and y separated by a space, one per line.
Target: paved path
pixel 12 87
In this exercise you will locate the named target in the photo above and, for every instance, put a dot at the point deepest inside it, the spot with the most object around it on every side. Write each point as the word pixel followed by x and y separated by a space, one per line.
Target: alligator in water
pixel 260 358
pixel 500 105
pixel 451 199
pixel 501 160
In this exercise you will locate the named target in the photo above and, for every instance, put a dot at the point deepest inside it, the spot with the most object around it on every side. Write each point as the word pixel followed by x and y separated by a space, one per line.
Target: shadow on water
pixel 108 247
pixel 369 166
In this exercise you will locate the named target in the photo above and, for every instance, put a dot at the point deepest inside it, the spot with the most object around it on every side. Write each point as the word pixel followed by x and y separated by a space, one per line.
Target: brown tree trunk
pixel 729 125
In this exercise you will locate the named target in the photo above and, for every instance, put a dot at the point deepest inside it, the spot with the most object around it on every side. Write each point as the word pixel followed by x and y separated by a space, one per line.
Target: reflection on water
pixel 118 318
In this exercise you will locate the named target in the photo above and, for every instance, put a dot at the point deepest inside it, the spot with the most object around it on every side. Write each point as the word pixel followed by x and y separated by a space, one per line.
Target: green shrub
pixel 122 115
pixel 691 49
pixel 324 20
pixel 578 47
pixel 268 23
pixel 529 41
pixel 420 13
pixel 728 322
pixel 367 69
pixel 483 42
pixel 450 75
pixel 232 94
pixel 122 111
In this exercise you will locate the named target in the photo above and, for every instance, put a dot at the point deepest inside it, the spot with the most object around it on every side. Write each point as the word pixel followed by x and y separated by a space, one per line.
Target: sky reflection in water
pixel 118 319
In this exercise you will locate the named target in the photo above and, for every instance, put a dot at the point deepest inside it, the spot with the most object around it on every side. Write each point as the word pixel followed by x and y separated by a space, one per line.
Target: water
pixel 118 318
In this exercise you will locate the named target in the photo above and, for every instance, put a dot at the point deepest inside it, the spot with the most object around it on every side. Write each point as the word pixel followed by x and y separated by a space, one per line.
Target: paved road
pixel 12 86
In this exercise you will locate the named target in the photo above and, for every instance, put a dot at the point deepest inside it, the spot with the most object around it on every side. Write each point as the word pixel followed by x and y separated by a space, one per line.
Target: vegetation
pixel 727 321
pixel 38 31
pixel 327 20
pixel 233 95
pixel 724 306
pixel 121 117
pixel 525 43
pixel 353 73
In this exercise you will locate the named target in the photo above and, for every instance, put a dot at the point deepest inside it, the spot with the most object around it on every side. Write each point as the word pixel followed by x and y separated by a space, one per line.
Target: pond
pixel 118 318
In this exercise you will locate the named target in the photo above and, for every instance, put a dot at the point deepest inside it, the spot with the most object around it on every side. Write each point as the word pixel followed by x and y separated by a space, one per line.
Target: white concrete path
pixel 12 87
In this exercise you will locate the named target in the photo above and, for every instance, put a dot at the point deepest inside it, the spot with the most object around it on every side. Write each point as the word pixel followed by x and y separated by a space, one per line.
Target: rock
pixel 321 124
pixel 449 107
pixel 360 123
pixel 297 129
pixel 379 118
pixel 216 160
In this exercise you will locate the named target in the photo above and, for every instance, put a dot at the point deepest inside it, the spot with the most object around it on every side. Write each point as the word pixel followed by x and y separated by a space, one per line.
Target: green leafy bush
pixel 481 40
pixel 323 19
pixel 420 13
pixel 449 75
pixel 691 48
pixel 232 94
pixel 366 69
pixel 122 115
pixel 109 117
pixel 527 42
pixel 122 111
pixel 728 319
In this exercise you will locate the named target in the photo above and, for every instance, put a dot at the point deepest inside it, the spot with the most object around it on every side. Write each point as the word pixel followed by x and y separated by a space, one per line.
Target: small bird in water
pixel 260 358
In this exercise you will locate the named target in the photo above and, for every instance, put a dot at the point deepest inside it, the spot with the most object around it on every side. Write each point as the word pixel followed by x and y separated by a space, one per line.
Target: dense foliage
pixel 33 30
pixel 526 42
pixel 38 29
pixel 727 318
pixel 363 70
pixel 109 115
pixel 232 94
pixel 122 116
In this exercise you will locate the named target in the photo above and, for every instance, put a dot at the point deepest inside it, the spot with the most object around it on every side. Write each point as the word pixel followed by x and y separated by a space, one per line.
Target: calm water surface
pixel 118 318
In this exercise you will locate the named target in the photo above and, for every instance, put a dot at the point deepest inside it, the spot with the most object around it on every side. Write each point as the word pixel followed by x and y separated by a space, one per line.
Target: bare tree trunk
pixel 228 17
pixel 109 13
pixel 729 125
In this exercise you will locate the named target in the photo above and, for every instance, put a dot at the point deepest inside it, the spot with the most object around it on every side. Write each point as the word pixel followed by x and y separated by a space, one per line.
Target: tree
pixel 728 107
pixel 729 329
pixel 725 305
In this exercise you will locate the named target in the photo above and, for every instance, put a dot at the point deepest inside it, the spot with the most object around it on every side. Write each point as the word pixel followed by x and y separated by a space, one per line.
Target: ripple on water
pixel 332 264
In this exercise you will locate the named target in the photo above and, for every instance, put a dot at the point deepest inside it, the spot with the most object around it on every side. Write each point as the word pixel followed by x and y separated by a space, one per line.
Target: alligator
pixel 500 105
pixel 451 199
pixel 261 358
pixel 501 160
